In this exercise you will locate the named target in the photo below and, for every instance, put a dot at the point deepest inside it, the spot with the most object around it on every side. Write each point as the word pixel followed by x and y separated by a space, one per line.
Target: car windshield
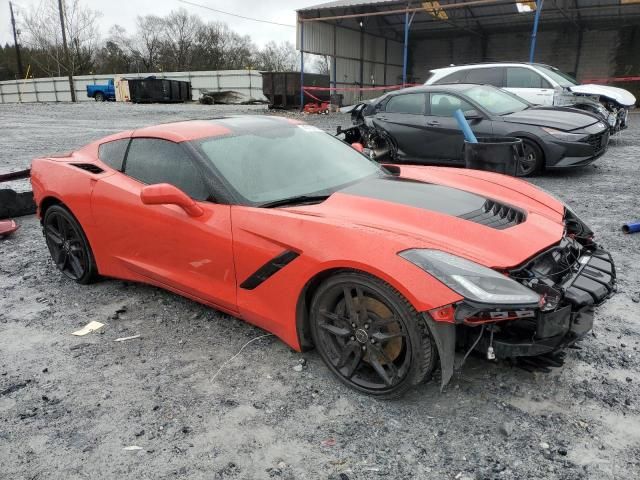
pixel 495 101
pixel 559 77
pixel 285 162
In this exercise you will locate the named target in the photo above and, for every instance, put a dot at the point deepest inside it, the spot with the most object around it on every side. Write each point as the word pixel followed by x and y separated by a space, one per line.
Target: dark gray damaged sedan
pixel 416 125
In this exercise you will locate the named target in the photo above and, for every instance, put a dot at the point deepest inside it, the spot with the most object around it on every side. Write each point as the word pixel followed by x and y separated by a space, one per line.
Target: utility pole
pixel 66 52
pixel 15 41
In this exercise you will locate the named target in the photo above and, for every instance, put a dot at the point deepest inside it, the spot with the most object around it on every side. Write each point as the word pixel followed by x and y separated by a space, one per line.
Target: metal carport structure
pixel 369 42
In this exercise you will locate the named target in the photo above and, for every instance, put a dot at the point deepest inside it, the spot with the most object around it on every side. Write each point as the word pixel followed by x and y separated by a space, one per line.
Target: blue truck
pixel 103 92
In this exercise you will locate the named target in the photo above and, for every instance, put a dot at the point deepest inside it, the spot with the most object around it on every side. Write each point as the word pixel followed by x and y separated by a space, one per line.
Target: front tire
pixel 370 336
pixel 382 148
pixel 533 160
pixel 68 245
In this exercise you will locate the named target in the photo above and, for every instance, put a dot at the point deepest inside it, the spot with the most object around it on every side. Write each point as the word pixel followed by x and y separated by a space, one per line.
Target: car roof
pixel 443 86
pixel 214 127
pixel 489 64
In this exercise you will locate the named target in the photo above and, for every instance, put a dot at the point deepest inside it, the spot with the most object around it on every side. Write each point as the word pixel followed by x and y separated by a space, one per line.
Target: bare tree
pixel 180 31
pixel 115 55
pixel 43 34
pixel 238 50
pixel 146 44
pixel 276 57
pixel 321 64
pixel 217 47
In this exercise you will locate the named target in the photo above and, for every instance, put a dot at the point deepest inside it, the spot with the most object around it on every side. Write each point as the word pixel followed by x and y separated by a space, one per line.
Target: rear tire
pixel 533 159
pixel 68 245
pixel 99 97
pixel 370 336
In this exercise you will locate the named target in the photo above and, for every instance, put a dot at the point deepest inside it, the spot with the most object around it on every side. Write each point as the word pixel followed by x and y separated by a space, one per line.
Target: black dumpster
pixel 283 88
pixel 160 90
pixel 494 154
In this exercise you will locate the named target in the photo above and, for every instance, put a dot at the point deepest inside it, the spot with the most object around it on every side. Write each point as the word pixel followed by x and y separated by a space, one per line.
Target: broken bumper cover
pixel 568 326
pixel 590 283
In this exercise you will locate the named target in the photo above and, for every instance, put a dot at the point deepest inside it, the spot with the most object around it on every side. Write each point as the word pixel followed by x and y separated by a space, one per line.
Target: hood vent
pixel 496 215
pixel 89 167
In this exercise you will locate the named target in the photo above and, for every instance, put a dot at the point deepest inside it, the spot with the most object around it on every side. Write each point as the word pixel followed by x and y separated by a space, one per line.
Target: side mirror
pixel 473 115
pixel 166 194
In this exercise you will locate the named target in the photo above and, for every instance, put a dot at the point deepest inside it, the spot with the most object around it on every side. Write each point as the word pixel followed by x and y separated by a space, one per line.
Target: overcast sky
pixel 124 12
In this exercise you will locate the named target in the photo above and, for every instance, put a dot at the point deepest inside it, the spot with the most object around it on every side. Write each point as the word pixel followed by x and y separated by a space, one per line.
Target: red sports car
pixel 386 270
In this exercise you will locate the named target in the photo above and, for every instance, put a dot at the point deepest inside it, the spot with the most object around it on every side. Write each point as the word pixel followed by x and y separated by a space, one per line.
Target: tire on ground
pixel 423 352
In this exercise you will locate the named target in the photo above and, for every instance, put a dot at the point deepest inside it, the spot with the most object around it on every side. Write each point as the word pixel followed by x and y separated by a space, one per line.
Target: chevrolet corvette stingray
pixel 385 269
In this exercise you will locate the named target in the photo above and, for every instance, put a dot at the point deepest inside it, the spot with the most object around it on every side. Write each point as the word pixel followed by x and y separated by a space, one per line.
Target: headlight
pixel 474 282
pixel 564 136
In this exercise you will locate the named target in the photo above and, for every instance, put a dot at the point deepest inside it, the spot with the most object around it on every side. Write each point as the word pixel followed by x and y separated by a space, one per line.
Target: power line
pixel 236 15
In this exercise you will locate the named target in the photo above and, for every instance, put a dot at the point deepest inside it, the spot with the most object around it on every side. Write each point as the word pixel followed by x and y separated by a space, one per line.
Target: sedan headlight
pixel 471 280
pixel 564 136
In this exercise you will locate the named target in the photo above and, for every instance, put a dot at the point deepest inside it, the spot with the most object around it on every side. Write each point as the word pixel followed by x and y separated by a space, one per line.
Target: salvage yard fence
pixel 56 89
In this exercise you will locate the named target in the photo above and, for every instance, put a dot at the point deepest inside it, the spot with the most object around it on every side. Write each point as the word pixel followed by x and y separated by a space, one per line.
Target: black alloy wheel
pixel 382 148
pixel 370 336
pixel 531 163
pixel 68 245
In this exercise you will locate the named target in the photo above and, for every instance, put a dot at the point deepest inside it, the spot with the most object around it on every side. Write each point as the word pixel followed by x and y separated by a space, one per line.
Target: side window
pixel 455 77
pixel 413 103
pixel 518 77
pixel 443 105
pixel 486 76
pixel 112 153
pixel 152 160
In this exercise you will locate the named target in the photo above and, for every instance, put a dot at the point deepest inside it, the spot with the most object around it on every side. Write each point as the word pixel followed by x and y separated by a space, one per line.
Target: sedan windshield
pixel 559 77
pixel 495 101
pixel 272 165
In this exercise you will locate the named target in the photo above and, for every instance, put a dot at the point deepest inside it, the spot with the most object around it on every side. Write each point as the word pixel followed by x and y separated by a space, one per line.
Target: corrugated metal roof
pixel 349 3
pixel 475 17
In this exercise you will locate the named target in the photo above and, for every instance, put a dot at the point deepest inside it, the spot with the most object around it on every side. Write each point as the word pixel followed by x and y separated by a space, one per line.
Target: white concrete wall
pixel 56 89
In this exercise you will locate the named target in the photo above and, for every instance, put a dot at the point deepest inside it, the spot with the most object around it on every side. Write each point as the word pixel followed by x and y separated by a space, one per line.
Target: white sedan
pixel 543 85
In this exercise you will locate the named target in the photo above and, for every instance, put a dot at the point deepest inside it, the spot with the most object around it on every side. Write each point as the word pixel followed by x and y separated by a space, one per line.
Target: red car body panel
pixel 7 227
pixel 207 257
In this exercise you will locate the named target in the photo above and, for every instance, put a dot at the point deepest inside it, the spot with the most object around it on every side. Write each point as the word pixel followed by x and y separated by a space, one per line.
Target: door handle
pixel 433 123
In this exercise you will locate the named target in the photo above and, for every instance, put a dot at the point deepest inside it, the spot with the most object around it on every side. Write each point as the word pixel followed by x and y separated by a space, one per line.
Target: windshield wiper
pixel 297 200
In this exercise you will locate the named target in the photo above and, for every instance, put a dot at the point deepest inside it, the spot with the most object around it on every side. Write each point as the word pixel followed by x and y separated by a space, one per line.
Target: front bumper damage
pixel 571 278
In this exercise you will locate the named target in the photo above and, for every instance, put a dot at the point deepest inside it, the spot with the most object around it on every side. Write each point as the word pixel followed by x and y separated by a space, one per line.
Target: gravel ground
pixel 70 405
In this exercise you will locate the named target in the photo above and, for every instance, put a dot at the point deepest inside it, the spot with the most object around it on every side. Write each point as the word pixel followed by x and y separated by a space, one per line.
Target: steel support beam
pixel 534 33
pixel 449 6
pixel 407 26
pixel 301 65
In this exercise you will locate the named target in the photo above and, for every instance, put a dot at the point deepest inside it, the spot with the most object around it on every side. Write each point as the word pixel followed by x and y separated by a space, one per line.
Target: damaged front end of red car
pixel 570 279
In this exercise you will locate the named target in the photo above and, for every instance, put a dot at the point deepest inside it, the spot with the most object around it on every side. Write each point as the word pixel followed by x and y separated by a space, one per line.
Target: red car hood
pixel 430 207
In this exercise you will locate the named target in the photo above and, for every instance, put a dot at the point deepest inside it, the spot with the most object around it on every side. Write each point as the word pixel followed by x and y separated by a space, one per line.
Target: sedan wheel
pixel 370 336
pixel 68 245
pixel 382 149
pixel 531 163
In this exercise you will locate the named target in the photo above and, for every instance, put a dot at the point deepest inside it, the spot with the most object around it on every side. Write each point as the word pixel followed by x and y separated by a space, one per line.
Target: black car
pixel 416 125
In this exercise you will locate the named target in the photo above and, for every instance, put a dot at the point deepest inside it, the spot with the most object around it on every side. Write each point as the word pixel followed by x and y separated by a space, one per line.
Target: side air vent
pixel 269 269
pixel 89 167
pixel 496 215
